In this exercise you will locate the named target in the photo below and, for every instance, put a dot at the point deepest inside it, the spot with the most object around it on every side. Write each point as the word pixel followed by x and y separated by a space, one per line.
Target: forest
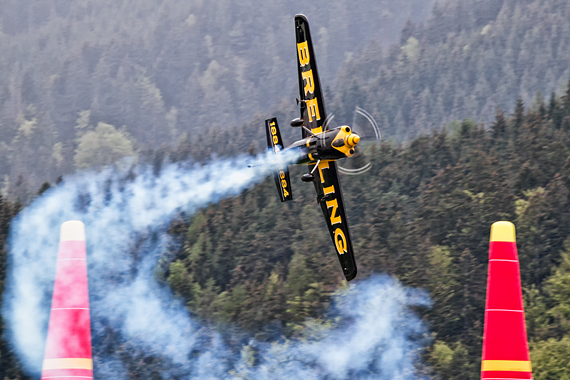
pixel 155 71
pixel 474 104
pixel 423 215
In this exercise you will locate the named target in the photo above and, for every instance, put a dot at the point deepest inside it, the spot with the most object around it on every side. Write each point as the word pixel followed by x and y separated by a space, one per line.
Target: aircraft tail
pixel 281 175
pixel 505 345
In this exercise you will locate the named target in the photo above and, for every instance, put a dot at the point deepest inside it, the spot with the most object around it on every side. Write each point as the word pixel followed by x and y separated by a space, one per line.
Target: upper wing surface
pixel 327 185
pixel 310 88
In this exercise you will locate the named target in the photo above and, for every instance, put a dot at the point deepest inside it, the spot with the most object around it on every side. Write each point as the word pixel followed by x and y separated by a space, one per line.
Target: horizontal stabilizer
pixel 281 175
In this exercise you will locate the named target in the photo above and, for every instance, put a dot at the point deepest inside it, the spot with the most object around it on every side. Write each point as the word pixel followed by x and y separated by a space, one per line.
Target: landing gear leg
pixel 316 166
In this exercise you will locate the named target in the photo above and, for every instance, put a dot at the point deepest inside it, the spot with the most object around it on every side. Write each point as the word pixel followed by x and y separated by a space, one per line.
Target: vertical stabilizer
pixel 68 347
pixel 505 345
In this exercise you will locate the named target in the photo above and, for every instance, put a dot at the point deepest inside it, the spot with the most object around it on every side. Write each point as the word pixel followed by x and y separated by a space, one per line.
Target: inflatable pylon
pixel 68 347
pixel 505 345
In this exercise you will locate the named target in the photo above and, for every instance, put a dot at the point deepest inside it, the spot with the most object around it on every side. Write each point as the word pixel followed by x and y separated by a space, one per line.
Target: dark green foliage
pixel 9 366
pixel 423 214
pixel 190 67
pixel 161 68
pixel 467 60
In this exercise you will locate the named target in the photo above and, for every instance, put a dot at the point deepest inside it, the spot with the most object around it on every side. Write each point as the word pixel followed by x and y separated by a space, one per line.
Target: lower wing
pixel 329 196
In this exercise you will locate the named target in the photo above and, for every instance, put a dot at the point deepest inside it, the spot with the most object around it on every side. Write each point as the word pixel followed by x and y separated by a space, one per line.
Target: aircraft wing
pixel 310 88
pixel 329 196
pixel 327 185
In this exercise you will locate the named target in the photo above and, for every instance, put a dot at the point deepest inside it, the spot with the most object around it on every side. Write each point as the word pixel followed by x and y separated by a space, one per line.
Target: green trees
pixel 191 67
pixel 548 315
pixel 551 351
pixel 161 68
pixel 102 146
pixel 9 366
pixel 422 214
pixel 465 62
pixel 550 359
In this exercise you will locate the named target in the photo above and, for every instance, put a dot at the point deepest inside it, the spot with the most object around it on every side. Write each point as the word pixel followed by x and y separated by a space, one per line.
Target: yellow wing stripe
pixel 68 363
pixel 505 365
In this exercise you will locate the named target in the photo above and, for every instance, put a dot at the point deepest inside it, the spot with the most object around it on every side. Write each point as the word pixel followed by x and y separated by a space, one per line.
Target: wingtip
pixel 351 276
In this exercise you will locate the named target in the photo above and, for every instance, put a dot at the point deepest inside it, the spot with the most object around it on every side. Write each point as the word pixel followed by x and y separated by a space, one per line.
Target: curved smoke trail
pixel 375 338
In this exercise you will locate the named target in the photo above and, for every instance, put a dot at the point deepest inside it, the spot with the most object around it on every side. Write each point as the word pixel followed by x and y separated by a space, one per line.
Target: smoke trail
pixel 373 339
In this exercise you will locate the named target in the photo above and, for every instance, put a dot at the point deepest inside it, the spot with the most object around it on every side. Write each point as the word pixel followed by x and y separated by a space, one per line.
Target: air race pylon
pixel 68 347
pixel 505 345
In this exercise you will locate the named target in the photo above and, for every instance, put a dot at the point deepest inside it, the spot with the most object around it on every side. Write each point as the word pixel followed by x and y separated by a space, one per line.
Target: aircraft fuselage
pixel 328 145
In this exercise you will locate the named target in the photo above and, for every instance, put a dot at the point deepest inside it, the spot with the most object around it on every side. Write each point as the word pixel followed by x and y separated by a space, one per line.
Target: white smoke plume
pixel 376 336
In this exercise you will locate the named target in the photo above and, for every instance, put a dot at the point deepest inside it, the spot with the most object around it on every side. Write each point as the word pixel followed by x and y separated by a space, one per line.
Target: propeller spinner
pixel 365 132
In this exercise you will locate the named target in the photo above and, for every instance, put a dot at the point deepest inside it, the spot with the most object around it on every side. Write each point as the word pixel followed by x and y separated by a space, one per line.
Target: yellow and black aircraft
pixel 319 148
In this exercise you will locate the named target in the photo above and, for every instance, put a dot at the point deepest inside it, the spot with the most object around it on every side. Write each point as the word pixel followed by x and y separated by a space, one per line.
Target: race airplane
pixel 319 148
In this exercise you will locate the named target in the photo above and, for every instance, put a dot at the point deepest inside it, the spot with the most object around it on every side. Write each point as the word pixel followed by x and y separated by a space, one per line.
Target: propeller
pixel 364 125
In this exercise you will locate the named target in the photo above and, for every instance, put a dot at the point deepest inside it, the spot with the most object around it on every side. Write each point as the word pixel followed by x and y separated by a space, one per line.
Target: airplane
pixel 319 148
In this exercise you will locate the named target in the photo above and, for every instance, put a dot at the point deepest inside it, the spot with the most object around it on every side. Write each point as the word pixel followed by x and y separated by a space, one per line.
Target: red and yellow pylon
pixel 505 345
pixel 68 347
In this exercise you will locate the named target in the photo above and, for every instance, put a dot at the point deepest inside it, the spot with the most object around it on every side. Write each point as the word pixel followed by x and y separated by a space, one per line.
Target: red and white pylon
pixel 505 344
pixel 68 347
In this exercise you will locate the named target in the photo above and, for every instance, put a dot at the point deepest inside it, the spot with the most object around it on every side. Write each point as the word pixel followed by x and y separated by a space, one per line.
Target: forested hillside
pixel 423 214
pixel 83 84
pixel 157 69
pixel 9 366
pixel 467 60
pixel 152 71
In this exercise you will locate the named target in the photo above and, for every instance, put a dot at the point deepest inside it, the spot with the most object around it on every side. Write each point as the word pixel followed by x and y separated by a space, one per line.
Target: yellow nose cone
pixel 353 139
